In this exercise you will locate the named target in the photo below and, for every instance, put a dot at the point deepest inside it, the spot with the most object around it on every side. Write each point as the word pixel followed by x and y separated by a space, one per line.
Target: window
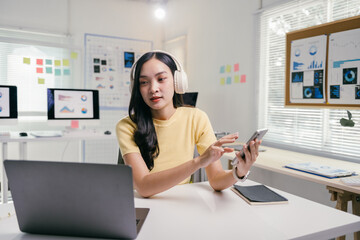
pixel 313 130
pixel 34 62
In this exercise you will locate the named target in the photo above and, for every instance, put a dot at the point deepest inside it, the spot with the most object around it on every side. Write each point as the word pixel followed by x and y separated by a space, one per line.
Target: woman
pixel 158 137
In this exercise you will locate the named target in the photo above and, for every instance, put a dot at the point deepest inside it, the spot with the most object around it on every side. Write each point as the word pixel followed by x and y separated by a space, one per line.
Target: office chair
pixel 198 176
pixel 120 159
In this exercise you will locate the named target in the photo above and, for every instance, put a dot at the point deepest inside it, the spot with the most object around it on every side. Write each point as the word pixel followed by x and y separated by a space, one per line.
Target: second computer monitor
pixel 66 105
pixel 8 105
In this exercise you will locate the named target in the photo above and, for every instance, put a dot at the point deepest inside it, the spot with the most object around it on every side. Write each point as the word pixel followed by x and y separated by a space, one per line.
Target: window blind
pixel 311 129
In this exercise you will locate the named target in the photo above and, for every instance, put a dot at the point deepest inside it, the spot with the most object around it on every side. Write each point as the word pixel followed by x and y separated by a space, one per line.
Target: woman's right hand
pixel 215 150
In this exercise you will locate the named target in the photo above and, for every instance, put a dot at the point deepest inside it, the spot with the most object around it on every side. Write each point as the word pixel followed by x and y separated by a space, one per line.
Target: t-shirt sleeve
pixel 125 129
pixel 204 132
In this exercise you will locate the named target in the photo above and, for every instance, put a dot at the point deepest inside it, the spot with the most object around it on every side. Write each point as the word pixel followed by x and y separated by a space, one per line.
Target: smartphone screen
pixel 258 134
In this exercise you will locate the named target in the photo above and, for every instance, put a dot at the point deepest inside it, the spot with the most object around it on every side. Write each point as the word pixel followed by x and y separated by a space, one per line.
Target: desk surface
pixel 275 159
pixel 195 211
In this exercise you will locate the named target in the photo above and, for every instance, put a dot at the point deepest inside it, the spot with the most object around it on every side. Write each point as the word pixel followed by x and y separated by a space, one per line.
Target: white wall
pixel 218 33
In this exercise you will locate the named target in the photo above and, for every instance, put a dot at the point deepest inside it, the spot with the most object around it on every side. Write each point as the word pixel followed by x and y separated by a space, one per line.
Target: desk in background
pixel 75 135
pixel 196 211
pixel 274 160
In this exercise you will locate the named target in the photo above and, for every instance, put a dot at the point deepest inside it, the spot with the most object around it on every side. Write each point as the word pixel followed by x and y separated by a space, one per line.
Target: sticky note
pixel 236 79
pixel 57 72
pixel 222 69
pixel 39 62
pixel 57 63
pixel 26 60
pixel 74 123
pixel 48 70
pixel 243 78
pixel 236 67
pixel 228 68
pixel 41 81
pixel 48 62
pixel 39 70
pixel 74 55
pixel 66 72
pixel 228 80
pixel 222 81
pixel 65 62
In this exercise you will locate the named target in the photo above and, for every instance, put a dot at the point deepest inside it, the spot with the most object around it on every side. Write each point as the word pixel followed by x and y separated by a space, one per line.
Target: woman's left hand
pixel 244 164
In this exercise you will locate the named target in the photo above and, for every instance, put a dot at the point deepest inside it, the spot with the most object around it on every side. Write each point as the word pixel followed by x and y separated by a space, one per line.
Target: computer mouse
pixel 107 132
pixel 23 134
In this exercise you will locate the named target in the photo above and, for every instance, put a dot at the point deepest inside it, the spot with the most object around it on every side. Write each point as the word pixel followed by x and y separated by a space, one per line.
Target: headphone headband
pixel 180 77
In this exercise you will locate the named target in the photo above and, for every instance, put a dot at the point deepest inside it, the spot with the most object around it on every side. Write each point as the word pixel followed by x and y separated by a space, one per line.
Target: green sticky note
pixel 66 72
pixel 49 70
pixel 222 81
pixel 48 62
pixel 228 80
pixel 57 72
pixel 65 62
pixel 26 60
pixel 222 69
pixel 74 55
pixel 41 81
pixel 57 63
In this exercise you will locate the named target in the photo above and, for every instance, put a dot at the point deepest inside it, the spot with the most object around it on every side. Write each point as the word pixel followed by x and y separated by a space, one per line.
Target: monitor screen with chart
pixel 8 105
pixel 66 105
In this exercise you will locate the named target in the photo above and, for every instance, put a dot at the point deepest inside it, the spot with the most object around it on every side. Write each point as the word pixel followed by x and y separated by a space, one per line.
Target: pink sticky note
pixel 243 78
pixel 39 70
pixel 39 61
pixel 236 67
pixel 74 123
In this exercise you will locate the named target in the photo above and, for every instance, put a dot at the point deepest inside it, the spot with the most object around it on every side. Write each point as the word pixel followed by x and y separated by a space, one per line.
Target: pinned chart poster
pixel 108 61
pixel 344 66
pixel 307 70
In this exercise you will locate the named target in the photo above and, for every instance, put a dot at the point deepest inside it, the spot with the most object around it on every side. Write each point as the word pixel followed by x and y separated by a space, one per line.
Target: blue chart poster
pixel 344 66
pixel 307 70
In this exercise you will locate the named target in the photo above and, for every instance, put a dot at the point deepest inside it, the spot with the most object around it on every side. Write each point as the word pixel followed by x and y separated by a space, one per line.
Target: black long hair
pixel 140 113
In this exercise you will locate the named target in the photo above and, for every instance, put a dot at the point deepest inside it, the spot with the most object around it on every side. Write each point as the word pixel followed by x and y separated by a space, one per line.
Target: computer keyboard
pixel 46 133
pixel 351 181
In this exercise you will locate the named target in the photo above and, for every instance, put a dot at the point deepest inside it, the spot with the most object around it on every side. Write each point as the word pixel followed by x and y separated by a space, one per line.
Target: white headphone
pixel 180 77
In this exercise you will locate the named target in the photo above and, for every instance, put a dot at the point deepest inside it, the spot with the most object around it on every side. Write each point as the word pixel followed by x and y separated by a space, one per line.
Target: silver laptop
pixel 74 199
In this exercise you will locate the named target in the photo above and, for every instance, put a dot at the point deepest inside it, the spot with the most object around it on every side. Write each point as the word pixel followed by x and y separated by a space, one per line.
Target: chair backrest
pixel 120 159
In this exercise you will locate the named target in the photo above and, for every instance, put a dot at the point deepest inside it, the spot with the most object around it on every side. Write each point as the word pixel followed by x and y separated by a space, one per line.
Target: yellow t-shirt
pixel 177 137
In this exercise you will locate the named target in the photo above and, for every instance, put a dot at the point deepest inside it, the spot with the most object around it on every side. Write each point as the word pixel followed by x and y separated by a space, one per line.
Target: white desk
pixel 67 136
pixel 195 211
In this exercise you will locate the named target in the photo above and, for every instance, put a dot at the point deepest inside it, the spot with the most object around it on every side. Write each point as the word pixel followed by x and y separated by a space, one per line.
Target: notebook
pixel 320 170
pixel 258 194
pixel 74 199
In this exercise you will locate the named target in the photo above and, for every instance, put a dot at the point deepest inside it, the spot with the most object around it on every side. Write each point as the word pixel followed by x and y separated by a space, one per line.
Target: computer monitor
pixel 66 106
pixel 8 105
pixel 190 98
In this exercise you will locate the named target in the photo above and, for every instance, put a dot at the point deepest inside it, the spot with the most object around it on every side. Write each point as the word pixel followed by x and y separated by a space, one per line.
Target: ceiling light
pixel 160 13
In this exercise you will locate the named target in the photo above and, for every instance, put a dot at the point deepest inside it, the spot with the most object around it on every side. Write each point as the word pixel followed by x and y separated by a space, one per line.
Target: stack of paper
pixel 318 169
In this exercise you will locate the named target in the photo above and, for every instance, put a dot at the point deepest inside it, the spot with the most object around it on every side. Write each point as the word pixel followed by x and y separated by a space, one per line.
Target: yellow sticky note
pixel 57 63
pixel 222 81
pixel 26 60
pixel 228 68
pixel 65 62
pixel 41 80
pixel 236 79
pixel 74 55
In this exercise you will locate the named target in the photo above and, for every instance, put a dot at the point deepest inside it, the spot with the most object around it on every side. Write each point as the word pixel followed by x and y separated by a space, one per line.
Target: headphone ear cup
pixel 180 82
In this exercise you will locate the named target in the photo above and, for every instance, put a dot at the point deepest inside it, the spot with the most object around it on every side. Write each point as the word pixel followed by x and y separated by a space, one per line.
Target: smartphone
pixel 258 134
